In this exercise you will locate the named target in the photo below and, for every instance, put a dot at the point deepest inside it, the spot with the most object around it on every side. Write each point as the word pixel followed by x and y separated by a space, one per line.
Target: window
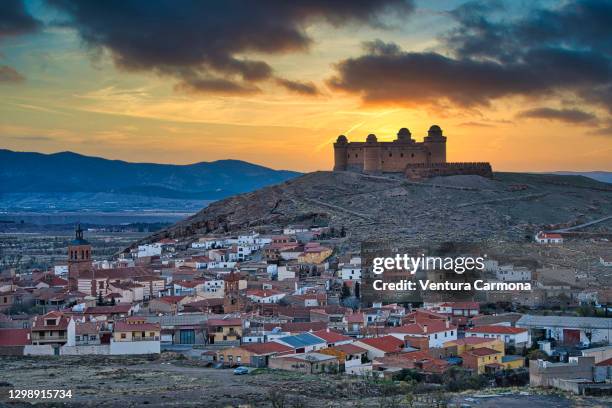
pixel 401 154
pixel 92 338
pixel 452 332
pixel 77 338
pixel 436 336
pixel 390 154
pixel 123 335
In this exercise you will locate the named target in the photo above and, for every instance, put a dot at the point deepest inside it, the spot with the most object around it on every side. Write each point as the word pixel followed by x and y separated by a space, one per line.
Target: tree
pixel 346 291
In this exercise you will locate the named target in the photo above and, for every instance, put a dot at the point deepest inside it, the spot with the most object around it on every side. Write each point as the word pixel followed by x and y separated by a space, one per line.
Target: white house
pixel 350 272
pixel 149 250
pixel 511 336
pixel 605 261
pixel 511 273
pixel 265 296
pixel 548 238
pixel 437 332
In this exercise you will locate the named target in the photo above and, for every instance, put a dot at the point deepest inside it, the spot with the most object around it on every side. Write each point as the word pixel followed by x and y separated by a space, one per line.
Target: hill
pixel 603 176
pixel 442 209
pixel 68 173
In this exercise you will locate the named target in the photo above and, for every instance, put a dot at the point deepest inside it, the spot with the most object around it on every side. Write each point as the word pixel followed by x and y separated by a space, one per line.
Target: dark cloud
pixel 562 115
pixel 9 75
pixel 304 88
pixel 15 19
pixel 544 52
pixel 216 85
pixel 200 41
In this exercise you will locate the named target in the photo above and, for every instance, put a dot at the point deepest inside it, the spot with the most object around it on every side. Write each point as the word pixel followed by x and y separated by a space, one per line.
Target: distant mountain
pixel 603 176
pixel 68 172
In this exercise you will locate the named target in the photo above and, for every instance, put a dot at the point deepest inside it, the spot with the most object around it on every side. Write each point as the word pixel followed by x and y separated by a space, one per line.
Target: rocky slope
pixel 509 207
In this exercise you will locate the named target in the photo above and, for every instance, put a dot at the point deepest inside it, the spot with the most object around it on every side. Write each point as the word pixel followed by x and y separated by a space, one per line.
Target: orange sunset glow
pixel 70 81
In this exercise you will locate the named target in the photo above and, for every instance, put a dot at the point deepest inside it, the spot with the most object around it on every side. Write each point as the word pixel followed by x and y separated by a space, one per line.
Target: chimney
pixel 328 329
pixel 424 328
pixel 447 324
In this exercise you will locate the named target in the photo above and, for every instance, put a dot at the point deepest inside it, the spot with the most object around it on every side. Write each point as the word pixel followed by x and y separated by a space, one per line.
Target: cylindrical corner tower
pixel 341 153
pixel 371 152
pixel 435 143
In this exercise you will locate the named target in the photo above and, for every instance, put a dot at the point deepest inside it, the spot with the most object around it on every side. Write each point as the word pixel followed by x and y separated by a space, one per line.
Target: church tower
pixel 79 257
pixel 232 301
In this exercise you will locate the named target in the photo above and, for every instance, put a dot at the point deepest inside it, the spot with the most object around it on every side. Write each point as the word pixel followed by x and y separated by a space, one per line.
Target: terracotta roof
pixel 224 322
pixel 355 318
pixel 171 299
pixel 605 363
pixel 350 349
pixel 116 273
pixel 388 344
pixel 14 337
pixel 61 321
pixel 483 351
pixel 120 308
pixel 135 325
pixel 461 305
pixel 263 293
pixel 423 327
pixel 471 341
pixel 496 330
pixel 87 328
pixel 549 235
pixel 331 336
pixel 267 348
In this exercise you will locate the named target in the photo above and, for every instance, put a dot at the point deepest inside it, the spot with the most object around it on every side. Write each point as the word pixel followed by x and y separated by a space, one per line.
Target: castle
pixel 404 155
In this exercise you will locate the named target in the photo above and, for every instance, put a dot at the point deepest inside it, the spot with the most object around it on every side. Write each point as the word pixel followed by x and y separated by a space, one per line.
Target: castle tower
pixel 341 153
pixel 435 143
pixel 404 136
pixel 371 151
pixel 232 300
pixel 79 257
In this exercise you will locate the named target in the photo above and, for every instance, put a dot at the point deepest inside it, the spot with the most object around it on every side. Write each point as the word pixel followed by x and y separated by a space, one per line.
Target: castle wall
pixel 395 157
pixel 420 171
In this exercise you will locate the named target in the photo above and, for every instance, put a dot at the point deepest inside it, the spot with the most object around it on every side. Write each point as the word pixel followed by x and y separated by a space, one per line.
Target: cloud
pixel 487 57
pixel 303 88
pixel 10 75
pixel 15 19
pixel 204 43
pixel 563 115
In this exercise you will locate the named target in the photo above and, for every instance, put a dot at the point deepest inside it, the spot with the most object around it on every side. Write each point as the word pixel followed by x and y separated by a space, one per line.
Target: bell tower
pixel 79 257
pixel 232 300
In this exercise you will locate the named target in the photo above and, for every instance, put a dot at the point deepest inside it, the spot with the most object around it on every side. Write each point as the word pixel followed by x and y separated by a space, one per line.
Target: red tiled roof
pixel 171 299
pixel 496 329
pixel 135 325
pixel 388 344
pixel 39 322
pixel 267 348
pixel 14 337
pixel 605 363
pixel 263 293
pixel 87 328
pixel 471 340
pixel 355 318
pixel 331 336
pixel 224 322
pixel 350 349
pixel 423 327
pixel 120 308
pixel 461 305
pixel 483 351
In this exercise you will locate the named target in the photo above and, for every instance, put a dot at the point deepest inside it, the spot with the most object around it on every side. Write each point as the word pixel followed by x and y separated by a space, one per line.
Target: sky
pixel 525 85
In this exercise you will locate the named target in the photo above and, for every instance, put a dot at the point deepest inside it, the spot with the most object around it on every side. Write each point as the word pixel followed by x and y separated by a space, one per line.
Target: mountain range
pixel 68 172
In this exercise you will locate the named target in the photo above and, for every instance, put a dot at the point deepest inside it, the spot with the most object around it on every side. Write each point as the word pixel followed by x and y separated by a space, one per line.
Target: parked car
pixel 241 370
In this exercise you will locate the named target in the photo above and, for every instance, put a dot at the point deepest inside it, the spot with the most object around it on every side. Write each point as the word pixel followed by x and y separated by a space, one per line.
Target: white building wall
pixel 134 347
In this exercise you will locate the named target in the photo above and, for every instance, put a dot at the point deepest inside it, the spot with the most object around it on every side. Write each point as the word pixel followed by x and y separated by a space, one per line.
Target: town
pixel 289 299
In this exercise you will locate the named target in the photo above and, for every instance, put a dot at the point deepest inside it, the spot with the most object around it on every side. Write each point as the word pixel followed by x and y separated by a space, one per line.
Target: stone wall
pixel 423 171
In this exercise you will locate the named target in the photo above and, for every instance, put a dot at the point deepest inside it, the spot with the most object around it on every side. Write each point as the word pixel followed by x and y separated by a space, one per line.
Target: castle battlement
pixel 403 155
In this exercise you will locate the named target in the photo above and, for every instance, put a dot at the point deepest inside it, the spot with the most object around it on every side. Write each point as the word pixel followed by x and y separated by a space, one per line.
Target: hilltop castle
pixel 403 155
